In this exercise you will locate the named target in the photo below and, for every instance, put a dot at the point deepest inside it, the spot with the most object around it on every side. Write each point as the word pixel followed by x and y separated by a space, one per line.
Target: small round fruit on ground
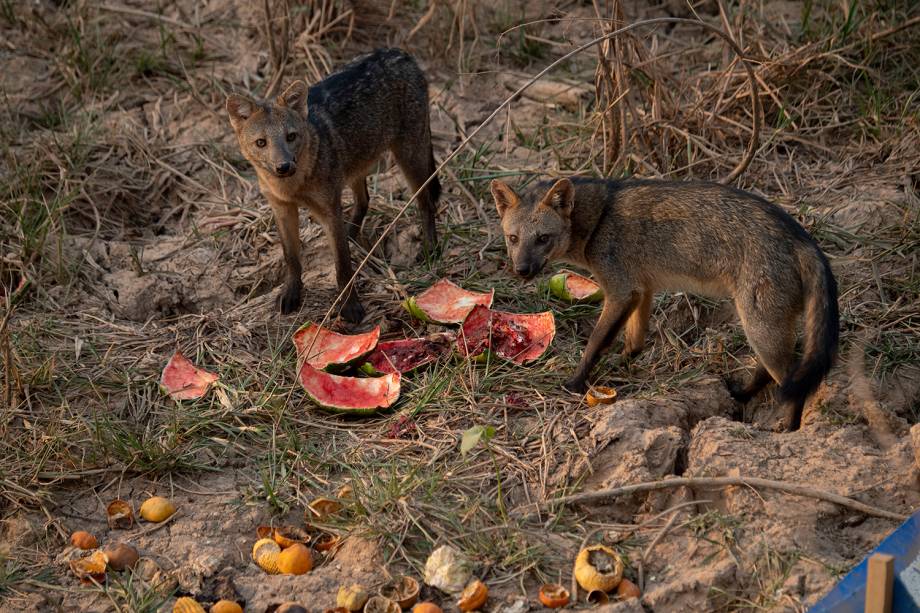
pixel 474 596
pixel 295 560
pixel 264 546
pixel 598 568
pixel 325 541
pixel 226 606
pixel 120 515
pixel 403 590
pixel 82 539
pixel 554 596
pixel 352 597
pixel 379 604
pixel 627 589
pixel 600 395
pixel 122 557
pixel 597 597
pixel 90 568
pixel 286 536
pixel 187 605
pixel 427 607
pixel 157 509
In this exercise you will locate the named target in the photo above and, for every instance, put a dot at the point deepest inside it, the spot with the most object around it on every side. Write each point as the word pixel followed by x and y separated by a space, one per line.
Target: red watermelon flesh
pixel 520 338
pixel 447 303
pixel 182 380
pixel 330 349
pixel 408 354
pixel 349 394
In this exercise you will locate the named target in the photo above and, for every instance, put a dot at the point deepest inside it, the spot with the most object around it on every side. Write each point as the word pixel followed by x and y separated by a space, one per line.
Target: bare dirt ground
pixel 133 227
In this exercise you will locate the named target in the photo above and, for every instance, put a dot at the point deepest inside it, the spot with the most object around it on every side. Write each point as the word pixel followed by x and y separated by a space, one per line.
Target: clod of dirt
pixel 447 569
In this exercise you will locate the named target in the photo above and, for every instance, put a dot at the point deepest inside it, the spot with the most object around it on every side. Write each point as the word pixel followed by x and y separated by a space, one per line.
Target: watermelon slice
pixel 573 287
pixel 182 380
pixel 407 354
pixel 519 338
pixel 349 394
pixel 445 303
pixel 331 350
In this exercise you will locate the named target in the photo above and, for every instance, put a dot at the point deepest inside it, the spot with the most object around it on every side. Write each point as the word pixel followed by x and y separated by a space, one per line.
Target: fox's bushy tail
pixel 434 188
pixel 821 333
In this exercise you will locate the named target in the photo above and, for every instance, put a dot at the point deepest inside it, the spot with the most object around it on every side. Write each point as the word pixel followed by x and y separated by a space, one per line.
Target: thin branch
pixel 715 482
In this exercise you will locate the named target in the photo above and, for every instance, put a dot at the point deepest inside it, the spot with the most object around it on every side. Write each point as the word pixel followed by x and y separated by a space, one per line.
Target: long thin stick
pixel 714 482
pixel 742 165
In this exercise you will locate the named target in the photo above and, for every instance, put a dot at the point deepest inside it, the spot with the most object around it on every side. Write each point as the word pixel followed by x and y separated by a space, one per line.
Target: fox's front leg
pixel 613 316
pixel 287 219
pixel 334 224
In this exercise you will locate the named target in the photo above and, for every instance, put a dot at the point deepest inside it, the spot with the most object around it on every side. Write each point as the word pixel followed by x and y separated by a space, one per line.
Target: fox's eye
pixel 513 239
pixel 260 142
pixel 291 136
pixel 542 239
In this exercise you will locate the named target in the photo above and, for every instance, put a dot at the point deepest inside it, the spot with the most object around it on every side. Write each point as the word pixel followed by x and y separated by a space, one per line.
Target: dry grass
pixel 102 152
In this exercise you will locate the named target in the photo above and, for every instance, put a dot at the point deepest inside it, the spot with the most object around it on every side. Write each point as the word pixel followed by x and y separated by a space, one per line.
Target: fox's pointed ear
pixel 294 97
pixel 561 197
pixel 240 108
pixel 504 196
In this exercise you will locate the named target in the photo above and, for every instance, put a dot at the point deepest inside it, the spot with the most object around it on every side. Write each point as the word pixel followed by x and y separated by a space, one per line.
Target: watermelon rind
pixel 359 396
pixel 559 287
pixel 345 350
pixel 472 298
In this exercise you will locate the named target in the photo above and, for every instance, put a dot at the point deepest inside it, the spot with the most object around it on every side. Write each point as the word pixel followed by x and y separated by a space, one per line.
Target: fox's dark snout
pixel 284 169
pixel 528 270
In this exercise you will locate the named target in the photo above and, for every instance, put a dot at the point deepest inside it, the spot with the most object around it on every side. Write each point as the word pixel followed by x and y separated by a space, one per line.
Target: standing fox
pixel 641 237
pixel 306 146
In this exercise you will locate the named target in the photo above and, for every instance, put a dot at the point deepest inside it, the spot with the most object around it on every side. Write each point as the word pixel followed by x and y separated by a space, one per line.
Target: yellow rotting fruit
pixel 122 557
pixel 598 568
pixel 290 607
pixel 352 597
pixel 379 604
pixel 627 589
pixel 120 515
pixel 268 561
pixel 187 605
pixel 321 508
pixel 226 606
pixel 295 560
pixel 157 509
pixel 600 395
pixel 473 596
pixel 427 607
pixel 90 568
pixel 264 546
pixel 286 536
pixel 597 597
pixel 554 596
pixel 83 540
pixel 403 590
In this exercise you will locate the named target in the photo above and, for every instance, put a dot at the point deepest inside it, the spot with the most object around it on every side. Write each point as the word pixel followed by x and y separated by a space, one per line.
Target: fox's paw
pixel 576 385
pixel 352 311
pixel 290 299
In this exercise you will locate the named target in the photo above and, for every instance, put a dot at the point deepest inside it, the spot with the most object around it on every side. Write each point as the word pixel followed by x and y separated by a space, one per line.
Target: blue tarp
pixel 849 596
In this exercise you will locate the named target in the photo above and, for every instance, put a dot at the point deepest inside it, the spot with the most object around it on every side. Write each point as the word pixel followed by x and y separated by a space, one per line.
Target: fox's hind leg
pixel 773 341
pixel 362 199
pixel 637 326
pixel 416 162
pixel 760 378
